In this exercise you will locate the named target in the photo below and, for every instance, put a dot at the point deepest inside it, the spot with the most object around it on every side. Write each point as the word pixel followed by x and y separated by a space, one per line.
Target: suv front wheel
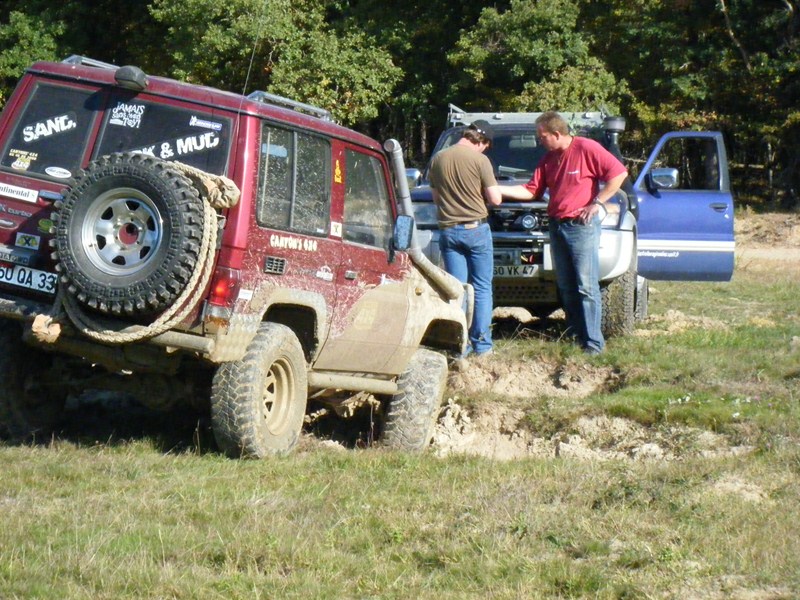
pixel 411 413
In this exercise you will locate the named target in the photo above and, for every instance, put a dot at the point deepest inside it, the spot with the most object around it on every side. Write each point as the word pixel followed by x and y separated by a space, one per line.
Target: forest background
pixel 389 68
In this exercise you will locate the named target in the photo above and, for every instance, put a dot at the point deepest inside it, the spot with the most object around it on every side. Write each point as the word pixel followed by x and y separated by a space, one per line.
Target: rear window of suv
pixel 177 133
pixel 55 127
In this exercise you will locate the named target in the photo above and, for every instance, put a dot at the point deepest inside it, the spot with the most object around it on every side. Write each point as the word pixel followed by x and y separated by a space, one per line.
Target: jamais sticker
pixel 125 114
pixel 49 127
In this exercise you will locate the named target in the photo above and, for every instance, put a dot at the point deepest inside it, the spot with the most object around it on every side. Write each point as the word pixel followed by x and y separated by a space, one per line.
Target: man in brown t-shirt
pixel 462 180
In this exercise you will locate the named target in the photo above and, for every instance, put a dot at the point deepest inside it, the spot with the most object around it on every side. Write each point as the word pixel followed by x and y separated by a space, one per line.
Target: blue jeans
pixel 576 256
pixel 468 255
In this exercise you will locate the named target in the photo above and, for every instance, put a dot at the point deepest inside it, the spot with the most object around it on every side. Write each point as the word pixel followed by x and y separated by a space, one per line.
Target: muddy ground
pixel 497 430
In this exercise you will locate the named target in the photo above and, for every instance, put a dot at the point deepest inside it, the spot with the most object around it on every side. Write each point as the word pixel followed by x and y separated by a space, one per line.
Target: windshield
pixel 514 152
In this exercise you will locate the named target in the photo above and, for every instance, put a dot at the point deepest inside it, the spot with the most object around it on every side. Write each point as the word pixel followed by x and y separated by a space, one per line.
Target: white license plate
pixel 33 279
pixel 516 270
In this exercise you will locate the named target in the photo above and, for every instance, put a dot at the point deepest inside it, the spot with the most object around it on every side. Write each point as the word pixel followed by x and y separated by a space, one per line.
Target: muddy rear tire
pixel 258 403
pixel 412 412
pixel 27 411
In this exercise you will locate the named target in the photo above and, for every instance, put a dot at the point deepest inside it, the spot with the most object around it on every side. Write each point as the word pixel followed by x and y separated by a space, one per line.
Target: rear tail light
pixel 224 287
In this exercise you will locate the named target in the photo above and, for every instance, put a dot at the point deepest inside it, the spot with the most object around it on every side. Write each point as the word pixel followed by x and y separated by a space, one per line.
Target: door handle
pixel 350 275
pixel 719 206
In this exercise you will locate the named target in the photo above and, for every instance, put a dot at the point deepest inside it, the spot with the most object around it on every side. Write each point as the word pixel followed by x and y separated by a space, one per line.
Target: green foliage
pixel 390 67
pixel 525 45
pixel 24 40
pixel 280 46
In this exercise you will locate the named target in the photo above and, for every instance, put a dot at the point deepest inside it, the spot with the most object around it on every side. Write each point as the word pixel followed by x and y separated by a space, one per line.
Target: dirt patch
pixel 498 429
pixel 767 231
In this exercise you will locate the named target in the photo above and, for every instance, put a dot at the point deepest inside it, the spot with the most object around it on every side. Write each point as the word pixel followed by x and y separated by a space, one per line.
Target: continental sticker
pixel 292 243
pixel 18 193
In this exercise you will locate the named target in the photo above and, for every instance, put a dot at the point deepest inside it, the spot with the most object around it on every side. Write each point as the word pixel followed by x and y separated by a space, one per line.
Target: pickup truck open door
pixel 686 210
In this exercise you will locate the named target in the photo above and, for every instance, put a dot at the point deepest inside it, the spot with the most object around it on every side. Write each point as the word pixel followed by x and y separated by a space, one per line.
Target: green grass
pixel 129 518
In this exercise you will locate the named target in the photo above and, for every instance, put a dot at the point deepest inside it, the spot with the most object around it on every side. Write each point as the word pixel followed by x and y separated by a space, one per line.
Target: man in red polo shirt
pixel 572 171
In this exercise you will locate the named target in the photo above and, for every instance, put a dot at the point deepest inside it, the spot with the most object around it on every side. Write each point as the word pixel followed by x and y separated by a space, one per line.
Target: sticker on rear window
pixel 58 172
pixel 22 159
pixel 196 122
pixel 183 146
pixel 49 127
pixel 127 115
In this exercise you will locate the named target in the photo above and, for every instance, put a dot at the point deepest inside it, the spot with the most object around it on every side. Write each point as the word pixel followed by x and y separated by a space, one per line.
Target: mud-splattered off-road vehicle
pixel 186 244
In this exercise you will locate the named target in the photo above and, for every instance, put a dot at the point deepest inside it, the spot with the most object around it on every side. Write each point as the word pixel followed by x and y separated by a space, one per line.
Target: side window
pixel 367 215
pixel 696 160
pixel 51 134
pixel 294 182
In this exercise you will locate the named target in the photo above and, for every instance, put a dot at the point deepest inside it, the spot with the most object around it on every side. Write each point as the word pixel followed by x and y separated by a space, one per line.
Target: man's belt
pixel 465 224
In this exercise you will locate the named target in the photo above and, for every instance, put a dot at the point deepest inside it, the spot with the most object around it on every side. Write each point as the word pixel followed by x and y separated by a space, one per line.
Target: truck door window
pixel 367 216
pixel 696 160
pixel 294 182
pixel 50 136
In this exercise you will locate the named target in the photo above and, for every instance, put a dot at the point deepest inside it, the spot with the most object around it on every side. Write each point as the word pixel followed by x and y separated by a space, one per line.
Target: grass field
pixel 121 507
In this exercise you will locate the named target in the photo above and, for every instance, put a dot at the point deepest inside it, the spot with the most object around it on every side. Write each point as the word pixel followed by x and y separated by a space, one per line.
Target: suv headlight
pixel 425 215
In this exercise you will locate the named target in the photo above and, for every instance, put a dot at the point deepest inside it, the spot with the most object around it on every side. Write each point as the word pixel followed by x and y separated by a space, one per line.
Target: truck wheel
pixel 619 305
pixel 27 410
pixel 412 412
pixel 128 234
pixel 258 403
pixel 642 298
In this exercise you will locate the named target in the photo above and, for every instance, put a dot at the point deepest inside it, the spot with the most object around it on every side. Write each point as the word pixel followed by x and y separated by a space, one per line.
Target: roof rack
pixel 268 98
pixel 577 121
pixel 77 59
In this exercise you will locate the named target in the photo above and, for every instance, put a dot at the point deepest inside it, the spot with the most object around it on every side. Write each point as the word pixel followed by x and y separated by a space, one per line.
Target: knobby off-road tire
pixel 258 403
pixel 411 413
pixel 619 305
pixel 128 234
pixel 27 411
pixel 642 299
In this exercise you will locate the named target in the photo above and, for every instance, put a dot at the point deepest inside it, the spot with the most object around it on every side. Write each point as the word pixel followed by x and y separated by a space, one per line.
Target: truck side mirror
pixel 662 179
pixel 403 232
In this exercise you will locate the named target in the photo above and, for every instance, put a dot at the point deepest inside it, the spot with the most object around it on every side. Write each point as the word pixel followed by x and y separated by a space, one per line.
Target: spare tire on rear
pixel 128 234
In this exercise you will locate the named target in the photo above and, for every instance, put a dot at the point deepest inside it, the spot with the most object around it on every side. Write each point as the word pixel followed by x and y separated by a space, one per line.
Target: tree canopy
pixel 391 67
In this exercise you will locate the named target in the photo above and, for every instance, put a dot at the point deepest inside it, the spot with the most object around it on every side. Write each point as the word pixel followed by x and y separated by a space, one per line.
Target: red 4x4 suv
pixel 169 239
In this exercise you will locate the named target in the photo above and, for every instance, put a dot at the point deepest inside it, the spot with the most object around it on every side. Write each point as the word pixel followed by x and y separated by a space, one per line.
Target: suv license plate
pixel 516 270
pixel 33 279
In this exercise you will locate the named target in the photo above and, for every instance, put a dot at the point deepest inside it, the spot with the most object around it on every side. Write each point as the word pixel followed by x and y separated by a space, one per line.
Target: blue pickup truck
pixel 675 222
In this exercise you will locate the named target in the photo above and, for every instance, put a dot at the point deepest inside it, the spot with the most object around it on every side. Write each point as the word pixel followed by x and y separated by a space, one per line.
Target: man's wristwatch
pixel 603 210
